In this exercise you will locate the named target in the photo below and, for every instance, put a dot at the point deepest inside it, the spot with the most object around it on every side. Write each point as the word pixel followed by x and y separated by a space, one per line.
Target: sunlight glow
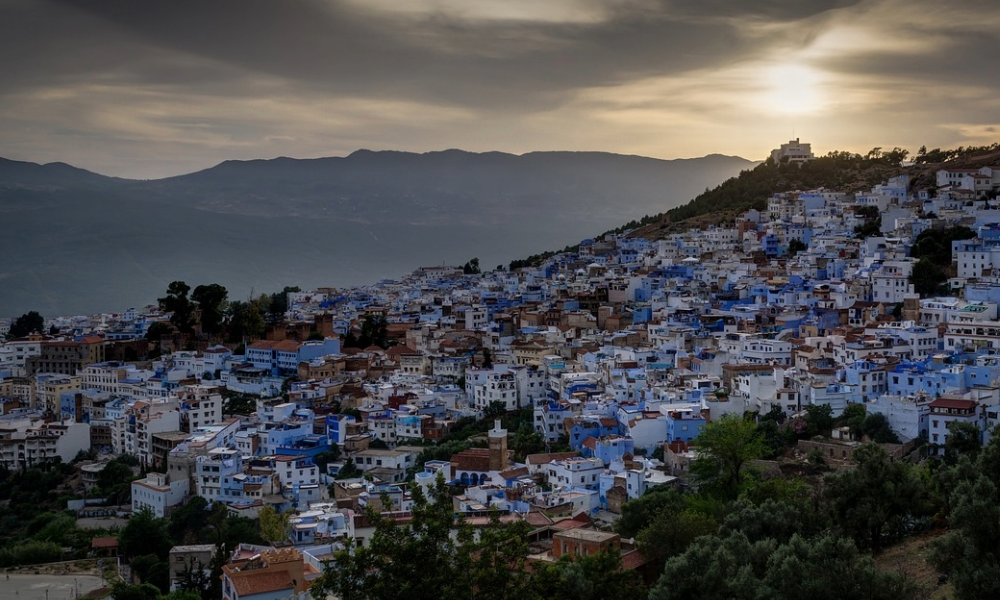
pixel 792 90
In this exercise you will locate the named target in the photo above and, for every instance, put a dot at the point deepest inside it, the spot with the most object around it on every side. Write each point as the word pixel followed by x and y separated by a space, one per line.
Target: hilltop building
pixel 795 151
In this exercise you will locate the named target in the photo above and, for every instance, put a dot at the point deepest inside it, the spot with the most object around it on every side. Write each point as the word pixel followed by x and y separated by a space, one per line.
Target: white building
pixel 33 443
pixel 158 493
pixel 907 415
pixel 200 406
pixel 574 472
pixel 485 386
pixel 891 282
pixel 795 151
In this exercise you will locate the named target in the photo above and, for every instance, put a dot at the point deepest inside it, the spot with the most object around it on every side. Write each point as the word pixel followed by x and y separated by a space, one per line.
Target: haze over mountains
pixel 76 242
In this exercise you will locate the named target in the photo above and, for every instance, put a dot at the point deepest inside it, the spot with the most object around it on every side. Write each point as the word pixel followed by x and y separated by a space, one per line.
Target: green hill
pixel 841 171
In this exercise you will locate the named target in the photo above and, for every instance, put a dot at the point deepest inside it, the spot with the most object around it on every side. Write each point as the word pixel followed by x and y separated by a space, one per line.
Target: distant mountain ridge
pixel 83 242
pixel 438 186
pixel 16 172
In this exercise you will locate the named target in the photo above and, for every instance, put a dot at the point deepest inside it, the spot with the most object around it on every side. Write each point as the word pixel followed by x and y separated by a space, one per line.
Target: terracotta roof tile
pixel 541 459
pixel 263 581
pixel 514 473
pixel 633 560
pixel 953 403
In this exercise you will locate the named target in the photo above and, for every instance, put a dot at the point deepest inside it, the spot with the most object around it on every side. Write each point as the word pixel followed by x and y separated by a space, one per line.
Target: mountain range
pixel 76 242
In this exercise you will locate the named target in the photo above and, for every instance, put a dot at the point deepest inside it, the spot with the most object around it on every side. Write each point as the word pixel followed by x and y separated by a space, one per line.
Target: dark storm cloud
pixel 157 87
pixel 769 10
pixel 966 59
pixel 346 49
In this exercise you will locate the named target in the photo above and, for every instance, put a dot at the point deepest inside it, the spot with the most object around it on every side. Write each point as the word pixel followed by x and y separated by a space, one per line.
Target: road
pixel 34 587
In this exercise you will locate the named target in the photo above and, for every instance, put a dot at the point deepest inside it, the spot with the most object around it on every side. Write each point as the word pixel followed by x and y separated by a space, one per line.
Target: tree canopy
pixel 211 302
pixel 873 502
pixel 724 448
pixel 180 307
pixel 734 567
pixel 374 331
pixel 968 553
pixel 28 323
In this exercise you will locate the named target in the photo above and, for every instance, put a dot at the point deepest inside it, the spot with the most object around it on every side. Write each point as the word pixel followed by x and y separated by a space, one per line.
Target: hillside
pixel 80 242
pixel 842 171
pixel 452 186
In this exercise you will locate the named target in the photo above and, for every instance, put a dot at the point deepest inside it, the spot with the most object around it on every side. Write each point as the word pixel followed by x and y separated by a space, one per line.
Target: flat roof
pixel 194 548
pixel 587 535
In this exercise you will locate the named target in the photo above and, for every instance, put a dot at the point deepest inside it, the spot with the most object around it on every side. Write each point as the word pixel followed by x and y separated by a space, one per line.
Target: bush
pixel 30 553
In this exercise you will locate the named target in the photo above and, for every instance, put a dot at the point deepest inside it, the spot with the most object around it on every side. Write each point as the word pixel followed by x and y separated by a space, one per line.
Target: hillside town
pixel 582 382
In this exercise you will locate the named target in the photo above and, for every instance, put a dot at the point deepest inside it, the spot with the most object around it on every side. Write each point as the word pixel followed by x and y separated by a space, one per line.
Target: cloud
pixel 150 87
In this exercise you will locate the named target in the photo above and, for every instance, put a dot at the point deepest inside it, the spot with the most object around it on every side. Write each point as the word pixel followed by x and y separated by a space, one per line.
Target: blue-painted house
pixel 684 424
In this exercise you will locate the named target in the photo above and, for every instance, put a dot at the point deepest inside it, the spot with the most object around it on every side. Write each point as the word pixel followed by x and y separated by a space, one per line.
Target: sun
pixel 790 89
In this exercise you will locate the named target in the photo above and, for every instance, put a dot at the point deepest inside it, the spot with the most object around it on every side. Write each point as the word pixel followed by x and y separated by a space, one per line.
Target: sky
pixel 153 88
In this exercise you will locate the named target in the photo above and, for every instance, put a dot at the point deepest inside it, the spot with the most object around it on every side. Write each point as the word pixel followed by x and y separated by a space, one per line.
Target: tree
pixel 829 568
pixel 326 457
pixel 853 417
pixel 114 481
pixel 874 500
pixel 114 473
pixel 896 156
pixel 796 245
pixel 671 533
pixel 735 567
pixel 277 304
pixel 872 222
pixel 235 403
pixel 150 569
pixel 638 513
pixel 820 419
pixel 876 427
pixel 274 526
pixel 26 324
pixel 471 267
pixel 594 577
pixel 493 559
pixel 125 591
pixel 495 409
pixel 187 522
pixel 526 441
pixel 968 553
pixel 771 519
pixel 177 303
pixel 246 320
pixel 157 330
pixel 775 435
pixel 421 560
pixel 963 439
pixel 211 302
pixel 145 534
pixel 724 448
pixel 927 278
pixel 374 331
pixel 935 245
pixel 715 568
pixel 349 470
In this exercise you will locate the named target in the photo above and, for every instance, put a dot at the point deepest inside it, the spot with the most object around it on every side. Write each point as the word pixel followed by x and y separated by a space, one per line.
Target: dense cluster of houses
pixel 621 349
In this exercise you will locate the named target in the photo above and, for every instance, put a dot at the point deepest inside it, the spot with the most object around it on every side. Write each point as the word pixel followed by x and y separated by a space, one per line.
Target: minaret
pixel 498 447
pixel 911 306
